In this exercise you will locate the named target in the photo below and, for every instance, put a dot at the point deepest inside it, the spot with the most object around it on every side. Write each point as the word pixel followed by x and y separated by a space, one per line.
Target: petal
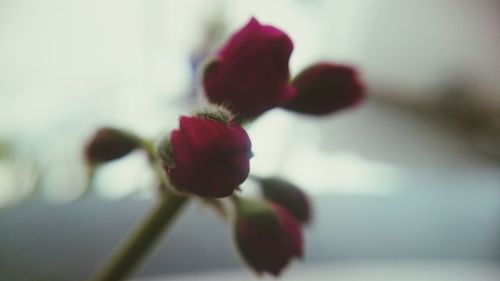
pixel 325 88
pixel 211 158
pixel 252 73
pixel 292 231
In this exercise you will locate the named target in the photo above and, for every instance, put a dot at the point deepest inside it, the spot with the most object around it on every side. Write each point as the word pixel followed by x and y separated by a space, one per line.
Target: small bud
pixel 206 157
pixel 109 144
pixel 292 198
pixel 267 236
pixel 325 88
pixel 250 73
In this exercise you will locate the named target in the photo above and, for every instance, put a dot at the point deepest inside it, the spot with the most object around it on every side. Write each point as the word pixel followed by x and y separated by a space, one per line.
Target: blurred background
pixel 406 186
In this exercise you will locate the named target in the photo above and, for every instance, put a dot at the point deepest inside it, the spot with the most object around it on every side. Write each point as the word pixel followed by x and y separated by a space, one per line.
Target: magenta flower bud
pixel 267 236
pixel 325 88
pixel 292 198
pixel 249 74
pixel 109 144
pixel 207 157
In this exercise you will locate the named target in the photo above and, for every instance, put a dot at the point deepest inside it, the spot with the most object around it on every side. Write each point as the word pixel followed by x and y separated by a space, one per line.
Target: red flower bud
pixel 249 74
pixel 267 236
pixel 108 144
pixel 207 157
pixel 325 88
pixel 292 198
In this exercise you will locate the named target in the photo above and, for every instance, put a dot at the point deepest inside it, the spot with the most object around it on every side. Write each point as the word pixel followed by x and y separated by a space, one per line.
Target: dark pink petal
pixel 325 88
pixel 211 157
pixel 267 236
pixel 292 230
pixel 250 72
pixel 109 144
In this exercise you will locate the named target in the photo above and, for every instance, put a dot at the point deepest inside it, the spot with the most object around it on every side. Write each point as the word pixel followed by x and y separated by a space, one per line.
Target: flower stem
pixel 132 252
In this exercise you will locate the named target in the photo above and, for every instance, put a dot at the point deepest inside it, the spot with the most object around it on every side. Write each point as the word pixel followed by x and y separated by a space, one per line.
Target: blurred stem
pixel 130 255
pixel 155 163
pixel 90 179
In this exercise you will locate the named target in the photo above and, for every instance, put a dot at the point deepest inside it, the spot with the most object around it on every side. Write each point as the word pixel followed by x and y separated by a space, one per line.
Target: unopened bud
pixel 109 144
pixel 267 236
pixel 326 88
pixel 288 195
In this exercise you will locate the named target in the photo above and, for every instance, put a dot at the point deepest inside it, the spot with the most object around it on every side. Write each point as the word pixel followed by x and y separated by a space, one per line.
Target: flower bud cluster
pixel 208 155
pixel 250 75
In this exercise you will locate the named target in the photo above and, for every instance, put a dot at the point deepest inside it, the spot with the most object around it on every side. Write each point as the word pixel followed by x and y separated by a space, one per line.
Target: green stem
pixel 155 163
pixel 130 255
